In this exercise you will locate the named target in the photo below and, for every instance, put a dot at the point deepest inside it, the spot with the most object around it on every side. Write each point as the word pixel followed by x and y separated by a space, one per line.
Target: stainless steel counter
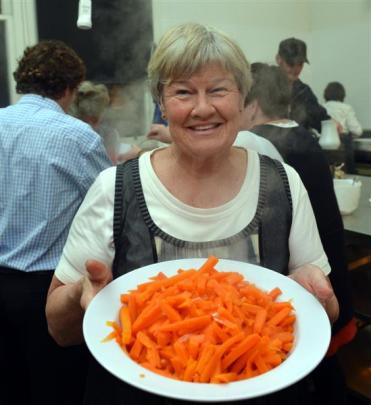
pixel 359 222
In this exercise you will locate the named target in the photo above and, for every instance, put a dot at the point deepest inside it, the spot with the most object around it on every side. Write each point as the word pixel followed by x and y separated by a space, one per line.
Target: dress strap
pixel 276 216
pixel 117 208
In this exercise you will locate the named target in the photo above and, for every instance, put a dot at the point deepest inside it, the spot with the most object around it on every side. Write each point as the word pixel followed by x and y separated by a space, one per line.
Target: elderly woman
pixel 195 197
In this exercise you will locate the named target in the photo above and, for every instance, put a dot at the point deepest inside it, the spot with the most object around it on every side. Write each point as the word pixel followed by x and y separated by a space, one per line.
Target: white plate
pixel 312 338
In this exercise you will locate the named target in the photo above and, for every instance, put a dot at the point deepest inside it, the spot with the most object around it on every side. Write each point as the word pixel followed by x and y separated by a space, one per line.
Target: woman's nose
pixel 203 106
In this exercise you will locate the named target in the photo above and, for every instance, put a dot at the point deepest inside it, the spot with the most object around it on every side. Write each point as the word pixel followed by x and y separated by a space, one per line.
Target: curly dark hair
pixel 49 68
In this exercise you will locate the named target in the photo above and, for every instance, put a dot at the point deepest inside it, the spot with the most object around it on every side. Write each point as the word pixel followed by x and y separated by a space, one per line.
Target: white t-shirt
pixel 91 233
pixel 345 115
pixel 249 140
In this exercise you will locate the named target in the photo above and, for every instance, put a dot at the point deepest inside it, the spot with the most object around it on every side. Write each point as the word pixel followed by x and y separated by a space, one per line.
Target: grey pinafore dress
pixel 139 242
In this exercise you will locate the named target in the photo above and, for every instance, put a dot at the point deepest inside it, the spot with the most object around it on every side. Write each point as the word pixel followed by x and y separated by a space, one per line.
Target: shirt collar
pixel 41 101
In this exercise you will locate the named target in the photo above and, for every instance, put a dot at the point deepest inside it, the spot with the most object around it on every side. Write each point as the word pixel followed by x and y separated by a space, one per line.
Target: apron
pixel 139 242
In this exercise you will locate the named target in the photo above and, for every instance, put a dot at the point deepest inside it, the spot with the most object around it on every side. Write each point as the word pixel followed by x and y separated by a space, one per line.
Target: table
pixel 358 238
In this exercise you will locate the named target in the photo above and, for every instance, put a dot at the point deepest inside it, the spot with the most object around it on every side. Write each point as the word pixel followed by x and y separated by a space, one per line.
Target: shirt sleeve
pixel 304 241
pixel 352 122
pixel 94 160
pixel 91 234
pixel 249 140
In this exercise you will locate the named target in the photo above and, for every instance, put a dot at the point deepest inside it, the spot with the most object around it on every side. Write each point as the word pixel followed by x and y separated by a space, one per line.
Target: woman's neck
pixel 202 186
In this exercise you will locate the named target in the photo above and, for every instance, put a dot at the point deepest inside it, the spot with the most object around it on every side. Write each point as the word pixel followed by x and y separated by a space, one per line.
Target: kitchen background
pixel 116 49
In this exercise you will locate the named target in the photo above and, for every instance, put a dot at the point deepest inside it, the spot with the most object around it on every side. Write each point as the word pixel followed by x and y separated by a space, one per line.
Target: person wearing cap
pixel 305 108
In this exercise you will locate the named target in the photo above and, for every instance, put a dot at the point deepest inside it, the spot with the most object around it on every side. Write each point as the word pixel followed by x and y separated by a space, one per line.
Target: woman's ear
pixel 162 109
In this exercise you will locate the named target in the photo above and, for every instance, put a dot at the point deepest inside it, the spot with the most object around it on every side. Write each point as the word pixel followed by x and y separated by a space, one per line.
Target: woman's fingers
pixel 312 279
pixel 98 276
pixel 322 288
pixel 98 272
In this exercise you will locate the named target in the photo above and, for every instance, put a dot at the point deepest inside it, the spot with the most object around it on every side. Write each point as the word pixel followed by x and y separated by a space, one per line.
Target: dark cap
pixel 293 50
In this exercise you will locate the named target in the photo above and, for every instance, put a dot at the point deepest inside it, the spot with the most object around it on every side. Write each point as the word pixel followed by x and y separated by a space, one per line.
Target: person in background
pixel 89 105
pixel 266 115
pixel 159 130
pixel 344 114
pixel 48 160
pixel 304 106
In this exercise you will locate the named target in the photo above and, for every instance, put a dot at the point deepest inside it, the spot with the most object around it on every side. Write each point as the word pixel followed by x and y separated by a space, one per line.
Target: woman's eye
pixel 182 92
pixel 219 91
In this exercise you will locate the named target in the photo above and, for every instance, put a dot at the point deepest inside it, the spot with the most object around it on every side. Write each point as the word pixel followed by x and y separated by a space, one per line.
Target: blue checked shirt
pixel 48 161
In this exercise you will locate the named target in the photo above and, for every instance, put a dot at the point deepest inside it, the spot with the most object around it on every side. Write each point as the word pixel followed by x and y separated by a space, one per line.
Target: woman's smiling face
pixel 203 111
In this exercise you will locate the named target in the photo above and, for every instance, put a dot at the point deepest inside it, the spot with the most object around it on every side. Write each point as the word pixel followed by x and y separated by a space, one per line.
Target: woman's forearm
pixel 64 313
pixel 66 303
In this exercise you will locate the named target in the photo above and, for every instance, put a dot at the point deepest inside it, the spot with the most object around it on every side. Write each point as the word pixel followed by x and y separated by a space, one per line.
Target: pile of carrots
pixel 204 326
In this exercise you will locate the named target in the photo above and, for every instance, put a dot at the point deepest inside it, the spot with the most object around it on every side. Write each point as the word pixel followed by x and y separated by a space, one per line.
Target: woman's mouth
pixel 204 128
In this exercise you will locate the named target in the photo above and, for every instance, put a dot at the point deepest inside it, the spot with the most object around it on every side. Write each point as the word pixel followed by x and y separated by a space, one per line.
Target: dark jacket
pixel 301 150
pixel 305 109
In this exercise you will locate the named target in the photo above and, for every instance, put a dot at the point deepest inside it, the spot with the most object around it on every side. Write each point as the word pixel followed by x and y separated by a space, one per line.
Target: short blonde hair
pixel 91 100
pixel 186 48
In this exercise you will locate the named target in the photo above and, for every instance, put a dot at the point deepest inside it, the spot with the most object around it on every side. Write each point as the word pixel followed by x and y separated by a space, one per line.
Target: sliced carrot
pixel 209 264
pixel 136 349
pixel 275 293
pixel 204 326
pixel 190 370
pixel 249 342
pixel 170 312
pixel 188 325
pixel 260 318
pixel 279 317
pixel 147 317
pixel 223 378
pixel 125 325
pixel 109 337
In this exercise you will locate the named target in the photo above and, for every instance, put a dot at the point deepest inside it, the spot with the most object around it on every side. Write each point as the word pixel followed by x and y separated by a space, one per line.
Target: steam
pixel 123 34
pixel 130 112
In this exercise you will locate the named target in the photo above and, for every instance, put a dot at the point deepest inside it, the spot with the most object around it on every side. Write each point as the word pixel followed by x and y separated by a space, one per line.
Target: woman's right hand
pixel 67 303
pixel 98 276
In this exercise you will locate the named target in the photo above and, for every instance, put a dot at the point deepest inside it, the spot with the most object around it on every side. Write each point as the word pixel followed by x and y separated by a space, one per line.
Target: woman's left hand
pixel 314 280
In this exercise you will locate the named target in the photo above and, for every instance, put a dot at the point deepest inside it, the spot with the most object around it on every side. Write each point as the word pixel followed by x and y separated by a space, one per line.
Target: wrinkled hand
pixel 160 133
pixel 98 276
pixel 312 279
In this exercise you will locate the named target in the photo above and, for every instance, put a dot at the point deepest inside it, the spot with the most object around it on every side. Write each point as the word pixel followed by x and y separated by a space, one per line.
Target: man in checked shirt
pixel 48 160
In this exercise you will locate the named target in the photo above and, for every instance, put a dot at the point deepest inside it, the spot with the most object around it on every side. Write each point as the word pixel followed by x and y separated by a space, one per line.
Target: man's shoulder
pixel 300 87
pixel 71 126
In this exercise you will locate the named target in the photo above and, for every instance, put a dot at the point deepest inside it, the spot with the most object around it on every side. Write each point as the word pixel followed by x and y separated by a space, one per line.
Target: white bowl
pixel 312 336
pixel 348 193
